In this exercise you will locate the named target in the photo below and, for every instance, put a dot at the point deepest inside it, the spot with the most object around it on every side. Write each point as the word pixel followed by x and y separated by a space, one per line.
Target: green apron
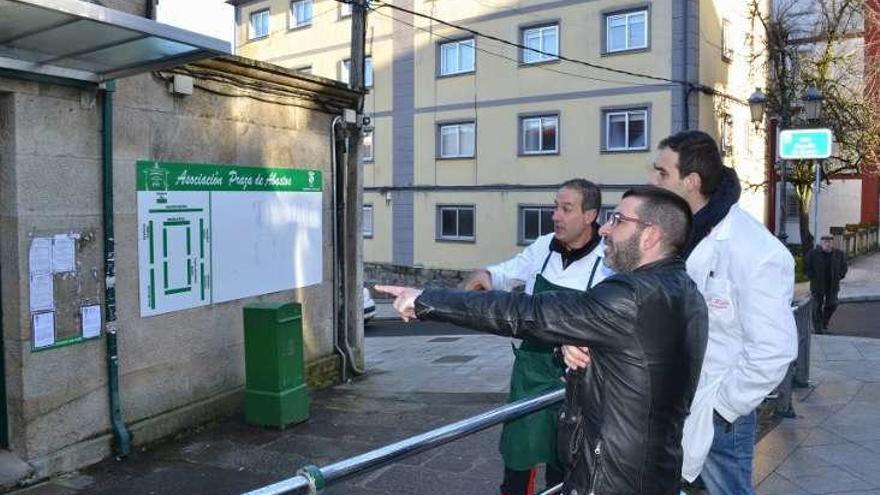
pixel 531 440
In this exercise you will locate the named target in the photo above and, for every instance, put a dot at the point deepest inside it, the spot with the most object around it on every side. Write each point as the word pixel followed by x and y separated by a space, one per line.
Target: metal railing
pixel 310 479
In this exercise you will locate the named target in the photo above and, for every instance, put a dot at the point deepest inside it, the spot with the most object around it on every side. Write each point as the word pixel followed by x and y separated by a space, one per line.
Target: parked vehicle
pixel 369 306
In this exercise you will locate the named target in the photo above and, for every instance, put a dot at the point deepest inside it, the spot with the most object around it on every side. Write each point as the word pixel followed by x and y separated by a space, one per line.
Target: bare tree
pixel 822 43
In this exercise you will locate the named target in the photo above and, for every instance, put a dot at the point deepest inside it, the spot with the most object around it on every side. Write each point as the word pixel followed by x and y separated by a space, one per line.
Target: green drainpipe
pixel 121 435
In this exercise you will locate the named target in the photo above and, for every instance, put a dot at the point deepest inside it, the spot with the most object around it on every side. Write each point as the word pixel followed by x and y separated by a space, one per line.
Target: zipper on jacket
pixel 597 456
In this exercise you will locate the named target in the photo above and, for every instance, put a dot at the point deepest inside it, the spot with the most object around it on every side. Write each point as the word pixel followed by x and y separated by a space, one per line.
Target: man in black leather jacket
pixel 646 328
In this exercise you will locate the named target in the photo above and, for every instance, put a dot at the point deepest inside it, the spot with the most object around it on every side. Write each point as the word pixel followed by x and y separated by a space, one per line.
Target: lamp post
pixel 812 99
pixel 757 106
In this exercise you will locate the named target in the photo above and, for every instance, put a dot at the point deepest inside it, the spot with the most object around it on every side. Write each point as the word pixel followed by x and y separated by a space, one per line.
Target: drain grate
pixel 457 359
pixel 445 339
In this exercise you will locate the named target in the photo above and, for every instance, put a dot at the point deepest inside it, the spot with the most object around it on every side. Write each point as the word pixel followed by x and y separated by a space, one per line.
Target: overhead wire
pixel 506 57
pixel 524 47
pixel 690 85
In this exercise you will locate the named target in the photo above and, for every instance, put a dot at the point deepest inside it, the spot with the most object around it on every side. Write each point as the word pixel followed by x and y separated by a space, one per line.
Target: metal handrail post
pixel 312 478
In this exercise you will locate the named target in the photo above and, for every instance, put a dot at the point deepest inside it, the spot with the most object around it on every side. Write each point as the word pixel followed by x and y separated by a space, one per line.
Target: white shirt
pixel 523 267
pixel 747 278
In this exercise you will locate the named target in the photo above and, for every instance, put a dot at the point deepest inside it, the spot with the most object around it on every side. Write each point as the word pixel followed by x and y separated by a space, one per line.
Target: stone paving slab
pixel 833 446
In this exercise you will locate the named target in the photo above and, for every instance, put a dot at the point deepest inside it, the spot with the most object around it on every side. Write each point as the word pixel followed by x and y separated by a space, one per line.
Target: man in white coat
pixel 568 259
pixel 747 278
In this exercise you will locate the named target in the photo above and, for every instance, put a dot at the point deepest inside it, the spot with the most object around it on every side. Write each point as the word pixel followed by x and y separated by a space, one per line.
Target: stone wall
pixel 176 369
pixel 390 274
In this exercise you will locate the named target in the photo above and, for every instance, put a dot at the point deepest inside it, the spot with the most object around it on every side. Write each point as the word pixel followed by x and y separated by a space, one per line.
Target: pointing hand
pixel 404 299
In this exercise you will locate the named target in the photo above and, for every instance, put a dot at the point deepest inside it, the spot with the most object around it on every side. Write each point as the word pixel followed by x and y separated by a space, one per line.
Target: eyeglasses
pixel 615 218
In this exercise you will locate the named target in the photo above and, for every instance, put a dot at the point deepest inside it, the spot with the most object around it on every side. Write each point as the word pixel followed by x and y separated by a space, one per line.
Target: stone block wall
pixel 176 369
pixel 412 276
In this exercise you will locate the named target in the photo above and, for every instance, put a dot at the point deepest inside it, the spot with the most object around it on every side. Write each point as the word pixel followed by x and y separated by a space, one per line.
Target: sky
pixel 209 17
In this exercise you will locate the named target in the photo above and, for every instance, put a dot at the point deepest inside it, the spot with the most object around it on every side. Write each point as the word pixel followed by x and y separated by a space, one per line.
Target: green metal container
pixel 275 392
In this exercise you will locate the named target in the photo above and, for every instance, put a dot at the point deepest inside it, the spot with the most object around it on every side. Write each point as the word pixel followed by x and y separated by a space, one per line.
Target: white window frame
pixel 457 129
pixel 295 21
pixel 367 143
pixel 252 26
pixel 458 46
pixel 367 226
pixel 521 218
pixel 629 113
pixel 529 56
pixel 726 41
pixel 345 71
pixel 726 134
pixel 627 17
pixel 344 10
pixel 368 72
pixel 458 236
pixel 542 121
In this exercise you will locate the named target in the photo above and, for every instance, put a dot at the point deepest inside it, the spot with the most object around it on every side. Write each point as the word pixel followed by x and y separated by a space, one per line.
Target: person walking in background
pixel 569 259
pixel 826 267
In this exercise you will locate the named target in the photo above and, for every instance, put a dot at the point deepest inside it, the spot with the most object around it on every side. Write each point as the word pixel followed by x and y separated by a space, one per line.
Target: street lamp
pixel 757 102
pixel 812 99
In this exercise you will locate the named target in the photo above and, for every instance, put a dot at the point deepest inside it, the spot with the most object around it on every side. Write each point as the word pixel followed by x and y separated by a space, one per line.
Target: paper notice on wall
pixel 40 256
pixel 42 293
pixel 63 254
pixel 91 321
pixel 44 329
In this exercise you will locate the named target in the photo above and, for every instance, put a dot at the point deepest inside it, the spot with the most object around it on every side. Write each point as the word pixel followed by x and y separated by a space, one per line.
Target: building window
pixel 259 27
pixel 626 31
pixel 367 147
pixel 307 70
pixel 367 222
pixel 455 223
pixel 792 204
pixel 456 140
pixel 626 130
pixel 604 214
pixel 368 72
pixel 534 221
pixel 344 10
pixel 727 134
pixel 345 71
pixel 543 38
pixel 457 57
pixel 726 41
pixel 300 13
pixel 539 134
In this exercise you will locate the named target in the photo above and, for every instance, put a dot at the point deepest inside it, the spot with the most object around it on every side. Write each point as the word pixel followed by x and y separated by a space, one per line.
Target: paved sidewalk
pixel 862 282
pixel 833 446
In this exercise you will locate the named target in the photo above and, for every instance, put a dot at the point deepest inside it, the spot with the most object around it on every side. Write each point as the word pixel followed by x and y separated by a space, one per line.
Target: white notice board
pixel 214 233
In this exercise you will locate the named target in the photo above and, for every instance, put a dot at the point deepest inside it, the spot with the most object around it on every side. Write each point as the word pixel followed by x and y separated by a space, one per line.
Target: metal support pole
pixel 816 189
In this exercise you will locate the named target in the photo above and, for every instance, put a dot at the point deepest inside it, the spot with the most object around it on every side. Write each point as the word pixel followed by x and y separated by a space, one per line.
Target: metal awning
pixel 78 40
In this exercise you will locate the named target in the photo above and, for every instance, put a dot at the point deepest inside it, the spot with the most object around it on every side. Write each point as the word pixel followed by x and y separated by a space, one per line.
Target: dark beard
pixel 623 256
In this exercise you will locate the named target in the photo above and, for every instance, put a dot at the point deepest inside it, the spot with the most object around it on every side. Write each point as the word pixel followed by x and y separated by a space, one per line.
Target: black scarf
pixel 715 210
pixel 570 256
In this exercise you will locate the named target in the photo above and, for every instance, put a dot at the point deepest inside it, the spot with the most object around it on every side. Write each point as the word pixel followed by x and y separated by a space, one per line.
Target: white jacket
pixel 747 278
pixel 522 268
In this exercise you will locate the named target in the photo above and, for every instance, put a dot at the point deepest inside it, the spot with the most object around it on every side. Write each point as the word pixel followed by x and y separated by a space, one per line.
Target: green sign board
pixel 805 144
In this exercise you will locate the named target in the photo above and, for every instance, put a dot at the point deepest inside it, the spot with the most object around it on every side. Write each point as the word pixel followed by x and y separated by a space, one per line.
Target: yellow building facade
pixel 472 135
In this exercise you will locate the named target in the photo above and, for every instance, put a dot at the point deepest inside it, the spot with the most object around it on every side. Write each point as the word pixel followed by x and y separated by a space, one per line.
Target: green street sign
pixel 805 144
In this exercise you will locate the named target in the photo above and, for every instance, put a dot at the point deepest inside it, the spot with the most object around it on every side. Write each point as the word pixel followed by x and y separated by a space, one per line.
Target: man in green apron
pixel 568 259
